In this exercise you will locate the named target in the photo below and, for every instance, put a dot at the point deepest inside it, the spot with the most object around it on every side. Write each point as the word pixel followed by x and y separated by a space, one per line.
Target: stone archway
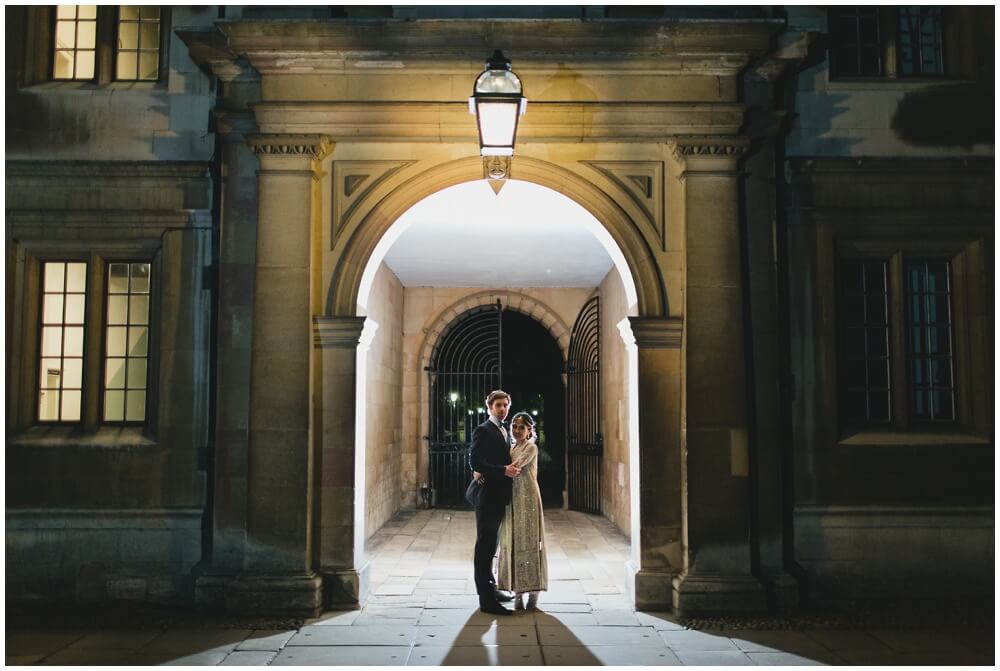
pixel 656 545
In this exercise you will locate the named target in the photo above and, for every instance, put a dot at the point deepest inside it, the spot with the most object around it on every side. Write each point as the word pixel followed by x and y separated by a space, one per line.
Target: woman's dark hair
pixel 527 419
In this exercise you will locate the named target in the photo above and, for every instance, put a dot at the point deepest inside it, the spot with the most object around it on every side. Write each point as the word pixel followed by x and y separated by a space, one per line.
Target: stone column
pixel 657 555
pixel 717 573
pixel 280 492
pixel 341 344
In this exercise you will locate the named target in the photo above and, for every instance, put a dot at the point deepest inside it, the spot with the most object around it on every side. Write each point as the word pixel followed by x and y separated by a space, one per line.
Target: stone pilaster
pixel 340 344
pixel 717 567
pixel 280 497
pixel 657 542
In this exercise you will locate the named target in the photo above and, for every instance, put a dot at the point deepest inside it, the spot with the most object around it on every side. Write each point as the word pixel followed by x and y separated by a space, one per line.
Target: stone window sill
pixel 109 438
pixel 912 438
pixel 889 83
pixel 70 87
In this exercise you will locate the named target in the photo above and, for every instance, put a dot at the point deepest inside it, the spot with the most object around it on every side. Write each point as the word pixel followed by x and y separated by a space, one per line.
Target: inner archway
pixel 543 262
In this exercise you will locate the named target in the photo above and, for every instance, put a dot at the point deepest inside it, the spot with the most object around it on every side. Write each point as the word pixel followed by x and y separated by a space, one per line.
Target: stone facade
pixel 731 170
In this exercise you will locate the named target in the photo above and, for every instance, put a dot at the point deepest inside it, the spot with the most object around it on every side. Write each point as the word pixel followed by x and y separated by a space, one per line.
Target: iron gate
pixel 583 400
pixel 464 368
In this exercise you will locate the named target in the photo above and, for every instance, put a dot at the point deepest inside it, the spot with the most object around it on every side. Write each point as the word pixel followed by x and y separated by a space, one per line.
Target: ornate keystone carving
pixel 312 146
pixel 657 333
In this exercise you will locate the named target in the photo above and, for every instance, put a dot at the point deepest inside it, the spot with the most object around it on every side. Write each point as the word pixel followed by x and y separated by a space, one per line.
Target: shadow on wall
pixel 956 114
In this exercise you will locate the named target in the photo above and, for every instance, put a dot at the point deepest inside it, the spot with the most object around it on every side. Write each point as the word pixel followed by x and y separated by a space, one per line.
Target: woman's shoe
pixel 518 603
pixel 532 601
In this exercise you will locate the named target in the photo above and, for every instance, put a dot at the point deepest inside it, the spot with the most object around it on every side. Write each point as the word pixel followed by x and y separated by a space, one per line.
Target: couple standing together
pixel 508 509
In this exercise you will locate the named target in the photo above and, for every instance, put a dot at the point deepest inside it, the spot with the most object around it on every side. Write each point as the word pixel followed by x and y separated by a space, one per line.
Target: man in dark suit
pixel 490 456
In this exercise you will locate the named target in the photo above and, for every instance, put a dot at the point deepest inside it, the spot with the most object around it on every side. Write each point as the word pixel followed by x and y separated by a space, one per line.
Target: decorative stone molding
pixel 352 181
pixel 709 146
pixel 315 147
pixel 643 182
pixel 657 333
pixel 337 332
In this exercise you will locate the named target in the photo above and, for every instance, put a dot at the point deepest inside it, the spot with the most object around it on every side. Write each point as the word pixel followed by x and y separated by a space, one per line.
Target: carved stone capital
pixel 723 147
pixel 314 147
pixel 337 332
pixel 657 332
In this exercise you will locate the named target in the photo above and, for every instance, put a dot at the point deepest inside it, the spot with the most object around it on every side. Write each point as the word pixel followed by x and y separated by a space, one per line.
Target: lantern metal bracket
pixel 496 170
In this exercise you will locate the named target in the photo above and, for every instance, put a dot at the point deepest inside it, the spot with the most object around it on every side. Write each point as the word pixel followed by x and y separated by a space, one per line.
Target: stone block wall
pixel 615 486
pixel 384 410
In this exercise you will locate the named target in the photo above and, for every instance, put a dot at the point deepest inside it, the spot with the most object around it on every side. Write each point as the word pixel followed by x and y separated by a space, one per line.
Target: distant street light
pixel 498 104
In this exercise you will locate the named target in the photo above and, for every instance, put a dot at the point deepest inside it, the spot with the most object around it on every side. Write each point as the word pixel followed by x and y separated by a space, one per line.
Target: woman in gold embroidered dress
pixel 523 567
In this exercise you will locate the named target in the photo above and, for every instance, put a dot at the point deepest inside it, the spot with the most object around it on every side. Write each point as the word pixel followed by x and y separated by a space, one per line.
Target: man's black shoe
pixel 503 597
pixel 494 609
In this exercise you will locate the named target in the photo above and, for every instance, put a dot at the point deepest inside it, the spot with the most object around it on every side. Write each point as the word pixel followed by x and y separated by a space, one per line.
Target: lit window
pixel 138 43
pixel 126 359
pixel 75 42
pixel 60 380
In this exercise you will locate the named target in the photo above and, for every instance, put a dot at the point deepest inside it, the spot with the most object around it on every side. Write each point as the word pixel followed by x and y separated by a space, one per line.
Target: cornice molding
pixel 656 332
pixel 544 122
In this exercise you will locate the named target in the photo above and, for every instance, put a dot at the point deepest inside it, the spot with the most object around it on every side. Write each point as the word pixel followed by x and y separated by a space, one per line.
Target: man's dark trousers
pixel 490 454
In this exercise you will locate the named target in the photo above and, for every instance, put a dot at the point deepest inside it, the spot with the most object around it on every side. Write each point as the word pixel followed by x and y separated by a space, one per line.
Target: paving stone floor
pixel 423 612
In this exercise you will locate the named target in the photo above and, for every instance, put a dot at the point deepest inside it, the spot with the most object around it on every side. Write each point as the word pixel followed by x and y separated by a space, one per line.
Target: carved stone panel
pixel 643 182
pixel 352 180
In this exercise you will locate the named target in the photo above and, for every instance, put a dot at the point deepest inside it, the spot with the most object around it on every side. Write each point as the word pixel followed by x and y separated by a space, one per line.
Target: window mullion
pixel 897 337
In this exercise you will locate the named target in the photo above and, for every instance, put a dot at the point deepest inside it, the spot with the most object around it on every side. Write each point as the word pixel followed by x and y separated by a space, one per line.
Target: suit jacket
pixel 489 455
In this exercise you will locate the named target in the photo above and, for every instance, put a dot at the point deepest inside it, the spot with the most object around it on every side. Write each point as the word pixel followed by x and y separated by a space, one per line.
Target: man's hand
pixel 511 471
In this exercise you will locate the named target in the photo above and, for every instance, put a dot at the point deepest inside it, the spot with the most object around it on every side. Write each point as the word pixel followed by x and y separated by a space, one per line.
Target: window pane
pixel 878 342
pixel 63 65
pixel 128 36
pixel 875 277
pixel 86 35
pixel 136 373
pixel 940 372
pixel 87 12
pixel 854 374
pixel 54 275
pixel 114 374
pixel 149 65
pixel 52 309
pixel 70 406
pixel 76 277
pixel 875 309
pixel 129 11
pixel 75 308
pixel 128 65
pixel 878 409
pixel 84 65
pixel 66 11
pixel 138 312
pixel 150 11
pixel 114 406
pixel 917 369
pixel 140 278
pixel 73 374
pixel 878 374
pixel 116 340
pixel 117 309
pixel 52 341
pixel 118 278
pixel 48 406
pixel 943 404
pixel 138 340
pixel 149 36
pixel 65 34
pixel 939 341
pixel 937 277
pixel 135 406
pixel 73 346
pixel 51 374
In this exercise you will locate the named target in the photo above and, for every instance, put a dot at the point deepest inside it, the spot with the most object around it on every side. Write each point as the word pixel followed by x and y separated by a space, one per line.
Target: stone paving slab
pixel 608 655
pixel 369 635
pixel 784 659
pixel 577 635
pixel 471 616
pixel 688 640
pixel 490 655
pixel 476 635
pixel 86 657
pixel 249 658
pixel 263 640
pixel 40 643
pixel 343 655
pixel 197 640
pixel 713 658
pixel 115 640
